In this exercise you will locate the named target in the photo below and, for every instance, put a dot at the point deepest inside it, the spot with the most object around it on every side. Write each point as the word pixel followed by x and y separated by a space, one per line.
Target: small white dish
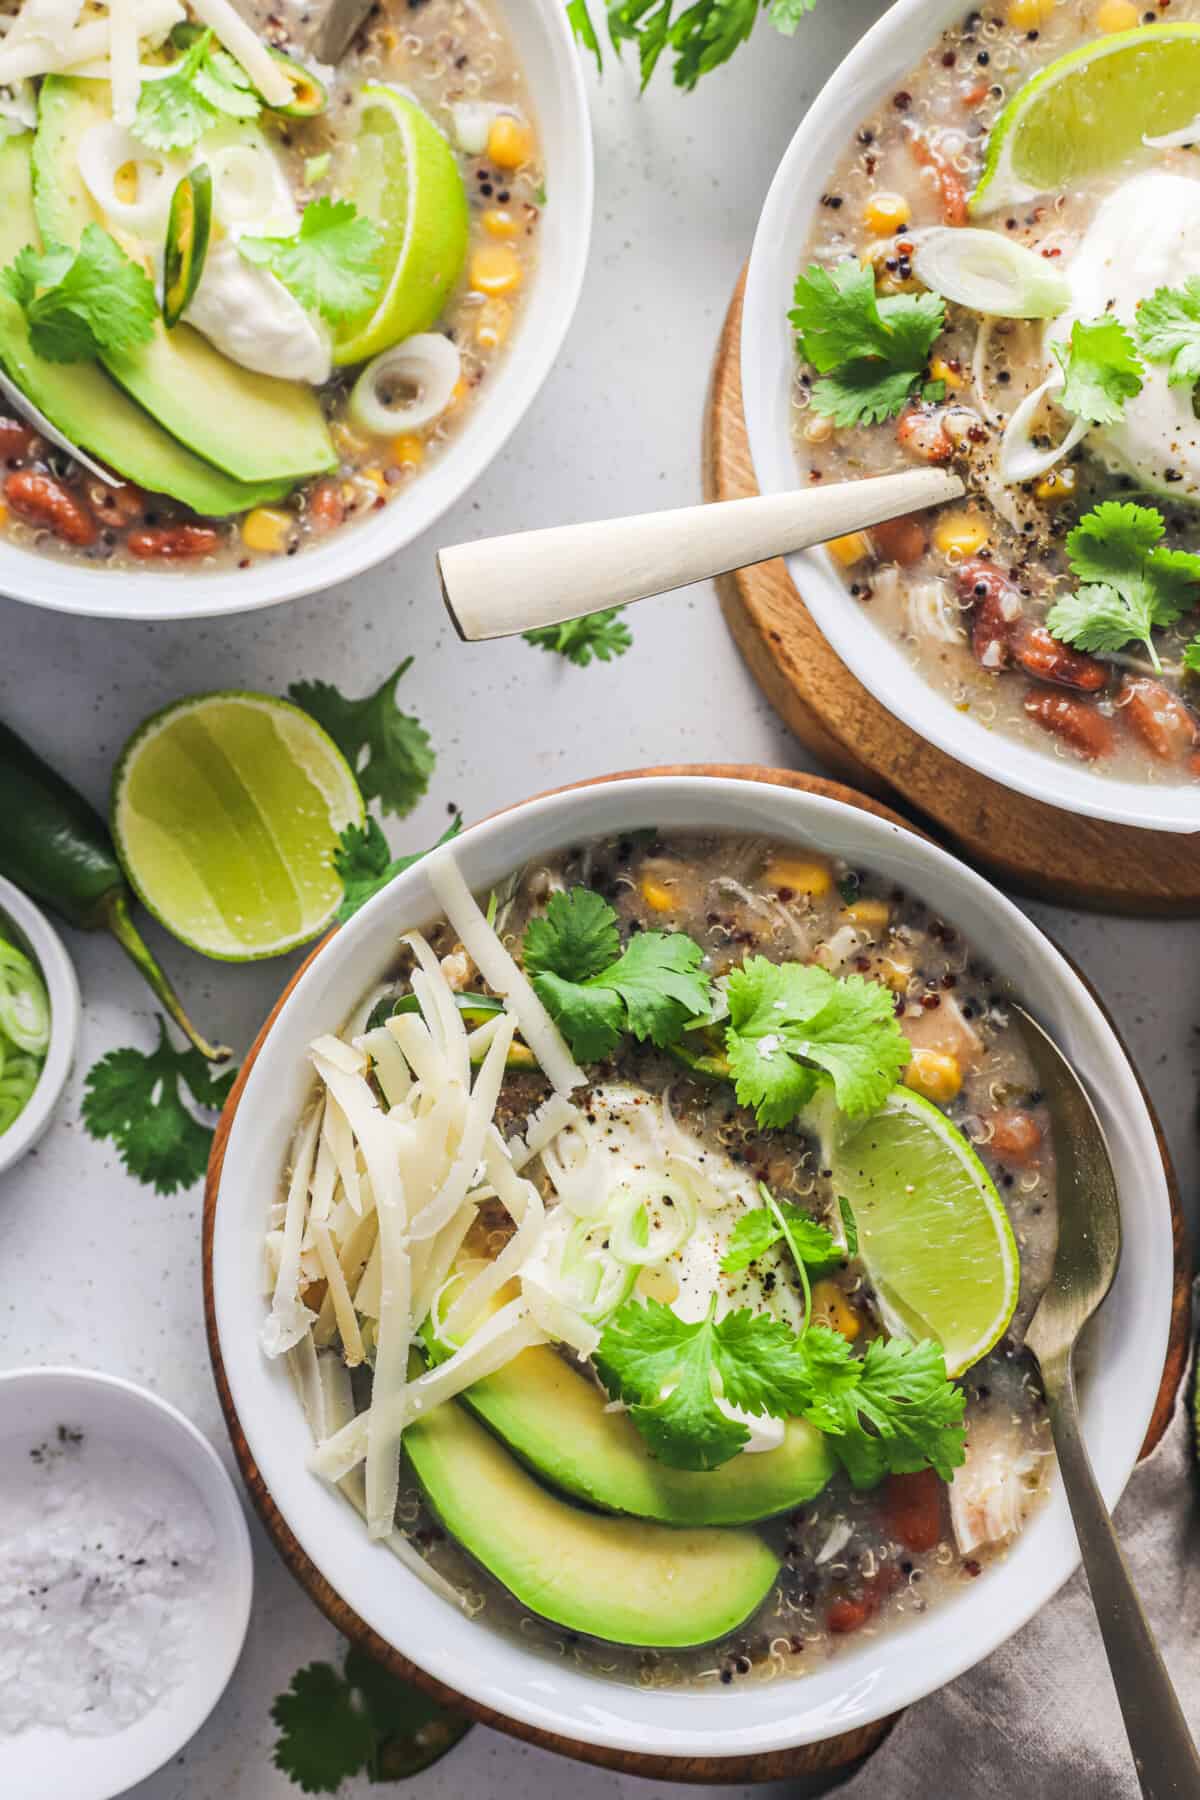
pixel 873 68
pixel 43 1761
pixel 38 938
pixel 549 57
pixel 1125 1345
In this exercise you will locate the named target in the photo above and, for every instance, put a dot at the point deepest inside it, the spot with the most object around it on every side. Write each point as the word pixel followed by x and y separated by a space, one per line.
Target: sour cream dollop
pixel 252 319
pixel 1144 236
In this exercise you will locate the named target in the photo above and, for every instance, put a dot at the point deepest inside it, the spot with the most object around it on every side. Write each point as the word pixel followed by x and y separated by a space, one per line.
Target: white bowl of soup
pixel 974 623
pixel 334 311
pixel 580 1565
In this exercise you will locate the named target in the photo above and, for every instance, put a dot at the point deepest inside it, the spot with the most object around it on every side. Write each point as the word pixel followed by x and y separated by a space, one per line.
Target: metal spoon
pixel 52 434
pixel 502 585
pixel 1089 1249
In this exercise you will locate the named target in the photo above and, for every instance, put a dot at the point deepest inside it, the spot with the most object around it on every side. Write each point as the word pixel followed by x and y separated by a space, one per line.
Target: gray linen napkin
pixel 1039 1719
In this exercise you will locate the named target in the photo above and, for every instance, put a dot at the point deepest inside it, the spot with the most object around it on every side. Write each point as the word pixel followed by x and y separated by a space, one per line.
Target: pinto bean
pixel 912 1509
pixel 997 609
pixel 174 543
pixel 900 541
pixel 849 1612
pixel 15 438
pixel 1167 727
pixel 1043 656
pixel 1086 730
pixel 1016 1136
pixel 46 502
pixel 326 508
pixel 921 434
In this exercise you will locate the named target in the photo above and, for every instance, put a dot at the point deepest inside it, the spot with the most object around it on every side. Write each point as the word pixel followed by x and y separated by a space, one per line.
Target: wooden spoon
pixel 498 586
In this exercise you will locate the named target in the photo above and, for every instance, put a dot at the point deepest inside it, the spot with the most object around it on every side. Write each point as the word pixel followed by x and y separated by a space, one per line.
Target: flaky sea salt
pixel 105 1557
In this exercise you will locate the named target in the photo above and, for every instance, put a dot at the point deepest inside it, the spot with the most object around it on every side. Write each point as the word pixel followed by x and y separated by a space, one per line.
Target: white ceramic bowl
pixel 876 67
pixel 542 38
pixel 38 938
pixel 43 1761
pixel 1127 1348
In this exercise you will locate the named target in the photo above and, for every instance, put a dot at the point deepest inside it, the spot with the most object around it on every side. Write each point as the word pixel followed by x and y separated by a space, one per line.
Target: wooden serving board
pixel 813 1762
pixel 1022 842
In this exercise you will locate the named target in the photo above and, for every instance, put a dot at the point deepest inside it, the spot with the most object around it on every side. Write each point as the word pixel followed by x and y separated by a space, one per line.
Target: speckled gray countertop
pixel 99 1271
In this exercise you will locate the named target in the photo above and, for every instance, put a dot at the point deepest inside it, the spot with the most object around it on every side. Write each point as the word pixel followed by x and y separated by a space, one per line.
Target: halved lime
pixel 1089 110
pixel 931 1228
pixel 406 179
pixel 225 812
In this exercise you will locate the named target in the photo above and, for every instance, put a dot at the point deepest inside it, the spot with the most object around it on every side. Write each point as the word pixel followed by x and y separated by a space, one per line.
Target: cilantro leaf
pixel 870 353
pixel 362 858
pixel 901 1415
pixel 389 751
pixel 1102 370
pixel 137 1099
pixel 176 108
pixel 701 37
pixel 580 21
pixel 603 635
pixel 593 994
pixel 1168 330
pixel 331 264
pixel 1133 583
pixel 1191 656
pixel 759 1231
pixel 333 1726
pixel 792 1023
pixel 79 304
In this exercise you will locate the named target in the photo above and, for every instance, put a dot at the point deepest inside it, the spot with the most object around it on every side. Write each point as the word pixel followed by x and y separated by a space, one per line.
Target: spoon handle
pixel 1164 1756
pixel 498 586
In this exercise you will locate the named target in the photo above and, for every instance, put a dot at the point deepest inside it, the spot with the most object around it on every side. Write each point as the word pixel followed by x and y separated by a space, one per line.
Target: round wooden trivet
pixel 810 1760
pixel 1024 843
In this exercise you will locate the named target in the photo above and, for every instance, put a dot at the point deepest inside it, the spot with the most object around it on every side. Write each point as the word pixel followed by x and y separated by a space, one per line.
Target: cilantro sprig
pixel 595 991
pixel 331 265
pixel 812 1245
pixel 363 1720
pixel 701 37
pixel 138 1100
pixel 1168 330
pixel 365 864
pixel 177 108
pixel 794 1028
pixel 603 635
pixel 891 1411
pixel 80 303
pixel 389 751
pixel 1133 584
pixel 870 353
pixel 1101 370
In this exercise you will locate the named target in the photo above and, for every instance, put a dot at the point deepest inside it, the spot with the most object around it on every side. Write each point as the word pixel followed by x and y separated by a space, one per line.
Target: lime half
pixel 1089 110
pixel 225 812
pixel 931 1228
pixel 407 181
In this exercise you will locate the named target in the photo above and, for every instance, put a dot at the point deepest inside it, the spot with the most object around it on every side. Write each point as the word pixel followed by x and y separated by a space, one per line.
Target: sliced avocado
pixel 254 427
pixel 555 1420
pixel 81 400
pixel 623 1580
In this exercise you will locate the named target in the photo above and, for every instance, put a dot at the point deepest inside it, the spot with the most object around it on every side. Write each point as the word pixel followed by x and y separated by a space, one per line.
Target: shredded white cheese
pixel 246 47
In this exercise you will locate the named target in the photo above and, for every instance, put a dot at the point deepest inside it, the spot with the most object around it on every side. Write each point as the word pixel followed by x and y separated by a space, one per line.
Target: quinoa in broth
pixel 966 588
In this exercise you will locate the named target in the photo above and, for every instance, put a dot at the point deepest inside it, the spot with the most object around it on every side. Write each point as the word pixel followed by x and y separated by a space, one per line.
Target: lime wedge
pixel 1089 110
pixel 407 180
pixel 931 1228
pixel 225 812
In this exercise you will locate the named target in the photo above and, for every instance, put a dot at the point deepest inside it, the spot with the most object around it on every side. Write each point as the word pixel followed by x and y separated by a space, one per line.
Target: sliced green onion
pixel 24 1003
pixel 987 272
pixel 637 1237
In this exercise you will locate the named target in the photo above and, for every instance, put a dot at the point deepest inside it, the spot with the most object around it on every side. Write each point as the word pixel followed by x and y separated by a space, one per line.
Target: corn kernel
pixel 495 269
pixel 374 479
pixel 493 324
pixel 886 213
pixel 267 528
pixel 1116 15
pixel 933 1075
pixel 658 1284
pixel 803 875
pixel 1057 486
pixel 509 143
pixel 831 1307
pixel 408 452
pixel 458 393
pixel 941 370
pixel 960 534
pixel 657 896
pixel 498 222
pixel 869 915
pixel 854 548
pixel 348 443
pixel 896 972
pixel 1029 15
